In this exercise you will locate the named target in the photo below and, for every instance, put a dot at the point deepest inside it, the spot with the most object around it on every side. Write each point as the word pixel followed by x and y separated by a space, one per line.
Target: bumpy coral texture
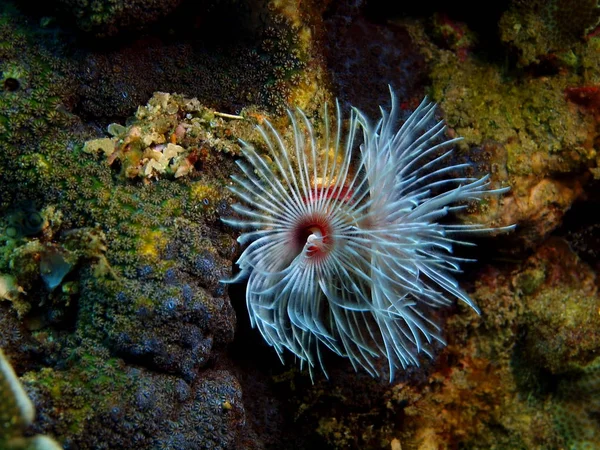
pixel 345 248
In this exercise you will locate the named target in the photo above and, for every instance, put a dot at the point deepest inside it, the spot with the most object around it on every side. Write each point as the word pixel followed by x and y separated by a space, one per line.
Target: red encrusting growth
pixel 586 96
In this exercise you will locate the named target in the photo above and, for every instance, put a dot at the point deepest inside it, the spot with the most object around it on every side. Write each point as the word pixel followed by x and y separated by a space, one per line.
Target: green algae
pixel 537 29
pixel 540 130
pixel 577 406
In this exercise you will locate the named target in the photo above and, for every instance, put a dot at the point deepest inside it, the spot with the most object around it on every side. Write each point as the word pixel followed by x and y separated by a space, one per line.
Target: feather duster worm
pixel 345 250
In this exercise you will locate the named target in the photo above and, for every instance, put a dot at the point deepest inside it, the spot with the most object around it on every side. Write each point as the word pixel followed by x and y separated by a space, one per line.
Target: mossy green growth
pixel 560 309
pixel 589 61
pixel 537 28
pixel 577 406
pixel 530 117
pixel 530 280
pixel 92 382
pixel 563 327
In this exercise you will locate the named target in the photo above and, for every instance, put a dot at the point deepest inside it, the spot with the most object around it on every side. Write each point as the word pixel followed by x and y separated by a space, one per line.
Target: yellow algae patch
pixel 152 243
pixel 106 145
pixel 290 9
pixel 204 193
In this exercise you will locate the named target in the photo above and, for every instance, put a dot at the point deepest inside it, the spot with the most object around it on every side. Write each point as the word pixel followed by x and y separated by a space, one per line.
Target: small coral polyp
pixel 346 251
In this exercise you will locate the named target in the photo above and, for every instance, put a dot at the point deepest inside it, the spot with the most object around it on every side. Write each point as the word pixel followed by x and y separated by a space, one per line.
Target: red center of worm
pixel 316 231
